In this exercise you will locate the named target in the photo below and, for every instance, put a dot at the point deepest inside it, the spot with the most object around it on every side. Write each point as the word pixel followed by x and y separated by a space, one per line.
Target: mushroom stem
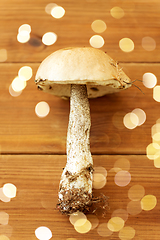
pixel 75 190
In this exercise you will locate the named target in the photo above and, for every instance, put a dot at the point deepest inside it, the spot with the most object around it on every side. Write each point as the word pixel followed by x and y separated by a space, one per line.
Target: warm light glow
pixel 93 220
pixel 123 164
pixel 43 233
pixel 82 228
pixel 156 93
pixel 136 192
pixel 25 27
pixel 117 120
pixel 9 190
pixel 141 115
pixel 99 180
pixel 4 237
pixel 49 38
pixel 3 55
pixel 151 150
pixel 149 80
pixel 134 207
pixel 42 109
pixel 148 43
pixel 49 7
pixel 3 198
pixel 122 213
pixel 25 73
pixel 117 12
pixel 157 161
pixel 122 178
pixel 14 93
pixel 148 202
pixel 127 233
pixel 18 85
pixel 4 218
pixel 115 224
pixel 57 12
pixel 103 230
pixel 155 128
pixel 126 45
pixel 130 120
pixel 101 170
pixel 76 216
pixel 98 26
pixel 96 41
pixel 23 36
pixel 156 137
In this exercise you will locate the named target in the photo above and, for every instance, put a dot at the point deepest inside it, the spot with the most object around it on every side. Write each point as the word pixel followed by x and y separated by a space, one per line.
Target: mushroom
pixel 79 73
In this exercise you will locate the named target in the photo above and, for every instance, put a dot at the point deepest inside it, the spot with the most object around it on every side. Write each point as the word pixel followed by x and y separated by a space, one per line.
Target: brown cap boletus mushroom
pixel 79 73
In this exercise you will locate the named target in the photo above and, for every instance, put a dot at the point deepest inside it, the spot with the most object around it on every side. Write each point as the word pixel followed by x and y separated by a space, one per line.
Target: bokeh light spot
pixel 3 55
pixel 122 213
pixel 151 150
pixel 43 233
pixel 123 164
pixel 57 12
pixel 49 7
pixel 103 230
pixel 3 197
pixel 93 220
pixel 9 190
pixel 117 120
pixel 148 202
pixel 127 233
pixel 49 38
pixel 99 180
pixel 25 27
pixel 157 161
pixel 117 12
pixel 4 237
pixel 42 109
pixel 23 36
pixel 126 45
pixel 84 228
pixel 149 80
pixel 96 41
pixel 4 218
pixel 136 192
pixel 101 170
pixel 98 26
pixel 122 178
pixel 76 216
pixel 148 43
pixel 25 73
pixel 156 93
pixel 134 207
pixel 115 224
pixel 141 115
pixel 14 93
pixel 18 85
pixel 130 120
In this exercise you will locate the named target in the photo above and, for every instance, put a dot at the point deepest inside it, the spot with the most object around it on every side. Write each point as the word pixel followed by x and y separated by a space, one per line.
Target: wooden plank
pixel 21 131
pixel 37 180
pixel 74 29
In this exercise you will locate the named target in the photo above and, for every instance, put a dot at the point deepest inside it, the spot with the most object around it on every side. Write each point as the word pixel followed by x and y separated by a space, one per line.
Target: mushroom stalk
pixel 75 190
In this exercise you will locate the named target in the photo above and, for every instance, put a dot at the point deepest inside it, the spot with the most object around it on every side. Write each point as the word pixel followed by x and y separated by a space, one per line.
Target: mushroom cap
pixel 81 65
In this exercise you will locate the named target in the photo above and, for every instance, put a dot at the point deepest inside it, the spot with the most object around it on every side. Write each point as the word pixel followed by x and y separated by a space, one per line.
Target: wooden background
pixel 33 149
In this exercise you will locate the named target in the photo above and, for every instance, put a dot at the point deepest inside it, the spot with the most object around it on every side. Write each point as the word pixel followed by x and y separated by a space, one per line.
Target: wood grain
pixel 21 131
pixel 74 29
pixel 32 149
pixel 37 180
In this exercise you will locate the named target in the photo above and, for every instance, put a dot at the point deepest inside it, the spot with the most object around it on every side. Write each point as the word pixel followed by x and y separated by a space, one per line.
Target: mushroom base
pixel 74 200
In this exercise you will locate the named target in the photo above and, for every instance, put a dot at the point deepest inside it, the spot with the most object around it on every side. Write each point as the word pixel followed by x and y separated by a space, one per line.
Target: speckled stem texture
pixel 75 191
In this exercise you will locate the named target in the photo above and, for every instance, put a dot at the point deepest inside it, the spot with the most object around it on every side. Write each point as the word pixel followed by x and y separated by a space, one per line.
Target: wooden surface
pixel 33 149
